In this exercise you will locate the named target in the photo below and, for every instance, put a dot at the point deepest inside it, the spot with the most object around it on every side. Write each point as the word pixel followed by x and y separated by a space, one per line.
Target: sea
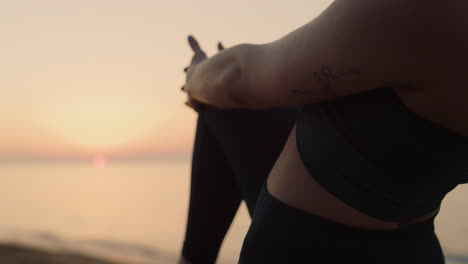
pixel 135 211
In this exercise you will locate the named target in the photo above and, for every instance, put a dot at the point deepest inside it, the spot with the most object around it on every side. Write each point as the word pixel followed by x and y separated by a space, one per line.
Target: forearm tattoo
pixel 325 78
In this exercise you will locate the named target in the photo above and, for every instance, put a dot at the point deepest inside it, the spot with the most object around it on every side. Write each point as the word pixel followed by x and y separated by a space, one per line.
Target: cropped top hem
pixel 368 151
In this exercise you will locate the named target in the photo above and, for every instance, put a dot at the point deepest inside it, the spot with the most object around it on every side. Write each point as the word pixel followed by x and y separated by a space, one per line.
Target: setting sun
pixel 99 162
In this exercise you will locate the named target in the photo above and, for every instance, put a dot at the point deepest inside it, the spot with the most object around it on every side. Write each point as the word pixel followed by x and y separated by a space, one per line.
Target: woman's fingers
pixel 220 46
pixel 199 55
pixel 194 44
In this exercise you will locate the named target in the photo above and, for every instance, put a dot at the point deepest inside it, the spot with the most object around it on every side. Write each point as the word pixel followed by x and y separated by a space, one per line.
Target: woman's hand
pixel 199 56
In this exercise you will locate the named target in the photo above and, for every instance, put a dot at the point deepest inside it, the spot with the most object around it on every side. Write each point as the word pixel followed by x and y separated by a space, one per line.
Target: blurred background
pixel 95 140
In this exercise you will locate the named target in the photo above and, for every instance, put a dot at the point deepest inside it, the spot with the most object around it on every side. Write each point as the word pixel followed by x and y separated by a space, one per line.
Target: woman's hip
pixel 282 234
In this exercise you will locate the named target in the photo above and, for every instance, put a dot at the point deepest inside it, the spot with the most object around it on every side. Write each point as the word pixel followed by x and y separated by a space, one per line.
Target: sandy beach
pixel 28 247
pixel 13 254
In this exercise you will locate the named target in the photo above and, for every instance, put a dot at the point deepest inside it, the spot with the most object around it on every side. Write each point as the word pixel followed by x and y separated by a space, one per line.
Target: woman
pixel 381 140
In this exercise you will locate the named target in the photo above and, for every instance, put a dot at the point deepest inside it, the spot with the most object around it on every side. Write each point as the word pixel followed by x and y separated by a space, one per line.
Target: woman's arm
pixel 352 47
pixel 219 80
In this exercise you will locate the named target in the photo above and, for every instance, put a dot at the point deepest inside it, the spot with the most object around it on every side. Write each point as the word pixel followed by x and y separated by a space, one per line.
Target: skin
pixel 416 47
pixel 198 56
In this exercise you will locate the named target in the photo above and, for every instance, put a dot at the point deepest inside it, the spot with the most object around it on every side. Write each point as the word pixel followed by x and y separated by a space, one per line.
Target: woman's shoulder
pixel 440 89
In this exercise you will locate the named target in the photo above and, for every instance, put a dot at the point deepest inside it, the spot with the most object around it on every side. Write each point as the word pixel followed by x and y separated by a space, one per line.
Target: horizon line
pixel 80 159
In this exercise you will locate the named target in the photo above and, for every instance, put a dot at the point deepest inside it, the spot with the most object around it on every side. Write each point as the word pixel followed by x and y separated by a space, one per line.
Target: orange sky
pixel 102 77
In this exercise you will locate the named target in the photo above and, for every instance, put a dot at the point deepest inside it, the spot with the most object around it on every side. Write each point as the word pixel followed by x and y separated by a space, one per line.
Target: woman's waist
pixel 320 202
pixel 310 197
pixel 291 182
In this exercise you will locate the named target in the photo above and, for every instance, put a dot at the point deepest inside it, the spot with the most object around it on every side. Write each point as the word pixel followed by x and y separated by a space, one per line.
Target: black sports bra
pixel 376 155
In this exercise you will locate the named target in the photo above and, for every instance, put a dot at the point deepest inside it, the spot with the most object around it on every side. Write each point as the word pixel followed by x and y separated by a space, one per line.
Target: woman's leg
pixel 233 154
pixel 251 141
pixel 214 198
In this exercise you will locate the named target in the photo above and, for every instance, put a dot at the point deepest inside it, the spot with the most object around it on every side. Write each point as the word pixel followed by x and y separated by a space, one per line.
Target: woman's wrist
pixel 222 80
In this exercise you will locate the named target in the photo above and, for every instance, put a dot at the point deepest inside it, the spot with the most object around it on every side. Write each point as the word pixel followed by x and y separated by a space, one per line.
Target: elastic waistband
pixel 315 228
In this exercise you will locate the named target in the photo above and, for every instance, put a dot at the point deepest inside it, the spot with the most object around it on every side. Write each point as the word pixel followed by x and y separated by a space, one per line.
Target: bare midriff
pixel 290 182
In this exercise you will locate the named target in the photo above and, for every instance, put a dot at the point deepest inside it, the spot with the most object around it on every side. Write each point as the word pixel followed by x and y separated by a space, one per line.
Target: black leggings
pixel 282 234
pixel 233 154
